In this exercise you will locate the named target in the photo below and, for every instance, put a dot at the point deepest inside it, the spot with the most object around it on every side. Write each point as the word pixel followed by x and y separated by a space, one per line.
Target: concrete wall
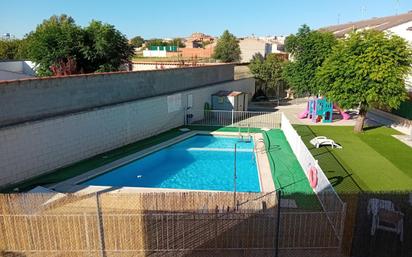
pixel 154 53
pixel 251 46
pixel 33 148
pixel 28 100
pixel 146 66
pixel 193 52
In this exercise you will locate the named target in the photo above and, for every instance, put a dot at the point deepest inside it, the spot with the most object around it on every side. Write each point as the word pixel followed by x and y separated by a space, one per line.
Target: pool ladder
pixel 248 136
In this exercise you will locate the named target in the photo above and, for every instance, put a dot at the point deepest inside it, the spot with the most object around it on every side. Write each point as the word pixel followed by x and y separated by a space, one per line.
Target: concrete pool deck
pixel 73 185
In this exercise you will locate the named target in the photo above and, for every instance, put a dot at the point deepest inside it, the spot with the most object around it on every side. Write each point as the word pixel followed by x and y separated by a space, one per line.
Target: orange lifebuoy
pixel 313 177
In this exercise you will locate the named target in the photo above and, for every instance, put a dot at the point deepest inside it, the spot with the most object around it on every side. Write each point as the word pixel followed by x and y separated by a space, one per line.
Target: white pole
pixel 234 180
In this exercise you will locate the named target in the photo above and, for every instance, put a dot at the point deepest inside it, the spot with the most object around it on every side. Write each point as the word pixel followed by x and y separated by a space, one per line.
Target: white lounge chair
pixel 323 141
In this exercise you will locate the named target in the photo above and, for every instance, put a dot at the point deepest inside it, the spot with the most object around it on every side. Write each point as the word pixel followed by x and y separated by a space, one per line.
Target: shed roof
pixel 228 93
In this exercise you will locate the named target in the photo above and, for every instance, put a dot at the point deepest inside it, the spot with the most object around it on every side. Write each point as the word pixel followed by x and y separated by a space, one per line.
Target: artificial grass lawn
pixel 370 161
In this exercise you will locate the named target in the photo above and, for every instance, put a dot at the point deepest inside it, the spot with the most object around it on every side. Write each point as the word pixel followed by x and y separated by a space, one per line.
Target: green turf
pixel 287 172
pixel 370 161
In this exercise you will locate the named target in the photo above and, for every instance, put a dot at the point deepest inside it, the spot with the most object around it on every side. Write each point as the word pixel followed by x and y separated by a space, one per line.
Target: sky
pixel 179 18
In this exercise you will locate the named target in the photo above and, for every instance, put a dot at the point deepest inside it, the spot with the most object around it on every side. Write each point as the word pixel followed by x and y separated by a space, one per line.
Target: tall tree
pixel 60 47
pixel 54 42
pixel 12 49
pixel 227 48
pixel 104 48
pixel 367 69
pixel 269 70
pixel 137 41
pixel 308 49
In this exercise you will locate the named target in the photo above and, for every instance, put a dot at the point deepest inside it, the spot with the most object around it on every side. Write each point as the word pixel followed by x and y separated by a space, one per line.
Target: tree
pixel 176 42
pixel 367 69
pixel 308 49
pixel 12 49
pixel 60 47
pixel 160 42
pixel 227 48
pixel 104 48
pixel 269 70
pixel 155 42
pixel 137 41
pixel 54 42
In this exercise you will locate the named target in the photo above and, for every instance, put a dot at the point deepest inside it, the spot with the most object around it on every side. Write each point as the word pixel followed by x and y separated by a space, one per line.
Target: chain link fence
pixel 159 224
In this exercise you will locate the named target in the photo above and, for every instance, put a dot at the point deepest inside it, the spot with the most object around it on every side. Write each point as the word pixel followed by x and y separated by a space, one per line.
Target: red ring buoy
pixel 313 177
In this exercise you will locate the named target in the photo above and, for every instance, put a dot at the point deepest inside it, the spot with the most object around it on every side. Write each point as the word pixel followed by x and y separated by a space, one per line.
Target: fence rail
pixel 234 118
pixel 330 201
pixel 144 223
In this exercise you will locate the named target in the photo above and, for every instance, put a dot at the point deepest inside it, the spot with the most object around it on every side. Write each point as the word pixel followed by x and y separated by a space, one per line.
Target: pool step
pixel 219 149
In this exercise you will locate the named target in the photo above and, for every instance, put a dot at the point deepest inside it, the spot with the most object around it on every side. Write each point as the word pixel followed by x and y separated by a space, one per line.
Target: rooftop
pixel 382 23
pixel 228 93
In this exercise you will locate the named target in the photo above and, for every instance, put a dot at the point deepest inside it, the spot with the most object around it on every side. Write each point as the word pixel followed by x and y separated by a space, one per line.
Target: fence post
pixel 86 230
pixel 342 226
pixel 100 227
pixel 185 121
pixel 278 224
pixel 234 181
pixel 232 117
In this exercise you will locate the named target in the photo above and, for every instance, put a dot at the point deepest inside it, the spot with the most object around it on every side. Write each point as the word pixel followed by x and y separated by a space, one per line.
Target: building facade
pixel 400 25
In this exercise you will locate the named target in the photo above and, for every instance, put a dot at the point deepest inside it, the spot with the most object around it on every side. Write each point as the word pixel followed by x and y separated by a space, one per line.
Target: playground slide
pixel 305 113
pixel 345 116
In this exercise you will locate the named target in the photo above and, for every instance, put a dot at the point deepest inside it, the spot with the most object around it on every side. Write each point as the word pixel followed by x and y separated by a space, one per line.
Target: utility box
pixel 230 100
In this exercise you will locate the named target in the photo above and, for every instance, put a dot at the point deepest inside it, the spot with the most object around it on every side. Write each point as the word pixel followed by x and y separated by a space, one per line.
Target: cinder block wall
pixel 31 99
pixel 33 148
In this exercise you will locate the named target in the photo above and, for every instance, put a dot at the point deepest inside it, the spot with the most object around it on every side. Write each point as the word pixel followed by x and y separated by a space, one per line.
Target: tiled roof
pixel 382 23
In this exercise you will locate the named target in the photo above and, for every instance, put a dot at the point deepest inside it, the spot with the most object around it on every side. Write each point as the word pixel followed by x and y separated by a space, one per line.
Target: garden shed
pixel 230 100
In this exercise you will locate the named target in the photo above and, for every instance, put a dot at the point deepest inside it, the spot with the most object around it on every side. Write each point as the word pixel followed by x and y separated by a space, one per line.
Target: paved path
pixel 294 109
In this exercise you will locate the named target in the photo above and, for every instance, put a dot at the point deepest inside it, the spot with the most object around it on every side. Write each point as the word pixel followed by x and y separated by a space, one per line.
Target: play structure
pixel 319 109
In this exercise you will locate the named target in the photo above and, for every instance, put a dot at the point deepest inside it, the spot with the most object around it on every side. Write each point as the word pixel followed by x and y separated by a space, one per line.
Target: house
pixel 250 46
pixel 11 70
pixel 159 51
pixel 198 40
pixel 400 25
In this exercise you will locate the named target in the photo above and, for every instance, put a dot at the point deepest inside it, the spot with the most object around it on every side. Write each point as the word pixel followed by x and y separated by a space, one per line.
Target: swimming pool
pixel 201 162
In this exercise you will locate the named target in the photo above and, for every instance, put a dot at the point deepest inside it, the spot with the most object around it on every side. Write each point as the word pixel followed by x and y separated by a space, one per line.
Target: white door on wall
pixel 189 101
pixel 174 103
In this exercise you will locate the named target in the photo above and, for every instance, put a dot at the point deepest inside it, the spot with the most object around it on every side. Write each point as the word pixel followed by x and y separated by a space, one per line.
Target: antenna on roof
pixel 363 9
pixel 338 18
pixel 397 7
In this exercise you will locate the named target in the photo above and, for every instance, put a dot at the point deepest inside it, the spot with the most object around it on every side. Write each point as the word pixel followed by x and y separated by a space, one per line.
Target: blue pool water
pixel 201 162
